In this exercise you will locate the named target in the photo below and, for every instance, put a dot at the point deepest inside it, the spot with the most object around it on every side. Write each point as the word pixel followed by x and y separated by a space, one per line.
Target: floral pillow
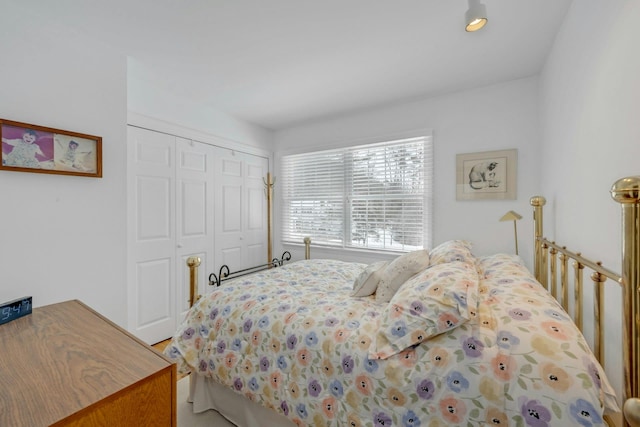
pixel 503 266
pixel 399 271
pixel 367 282
pixel 451 251
pixel 434 301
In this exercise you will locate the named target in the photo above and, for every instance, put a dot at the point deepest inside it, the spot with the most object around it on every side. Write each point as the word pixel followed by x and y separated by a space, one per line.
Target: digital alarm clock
pixel 15 309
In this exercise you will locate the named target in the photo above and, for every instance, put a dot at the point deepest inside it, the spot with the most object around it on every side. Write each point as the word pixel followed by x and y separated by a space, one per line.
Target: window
pixel 375 196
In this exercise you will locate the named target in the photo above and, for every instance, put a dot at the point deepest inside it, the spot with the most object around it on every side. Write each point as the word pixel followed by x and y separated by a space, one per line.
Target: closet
pixel 186 198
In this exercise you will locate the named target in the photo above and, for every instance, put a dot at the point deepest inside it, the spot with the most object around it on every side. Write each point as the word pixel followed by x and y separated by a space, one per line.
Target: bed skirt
pixel 206 394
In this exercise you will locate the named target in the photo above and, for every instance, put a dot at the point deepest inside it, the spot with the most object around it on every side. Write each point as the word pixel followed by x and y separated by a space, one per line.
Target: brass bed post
pixel 268 188
pixel 544 265
pixel 537 202
pixel 193 262
pixel 577 292
pixel 598 281
pixel 564 287
pixel 307 248
pixel 626 191
pixel 553 269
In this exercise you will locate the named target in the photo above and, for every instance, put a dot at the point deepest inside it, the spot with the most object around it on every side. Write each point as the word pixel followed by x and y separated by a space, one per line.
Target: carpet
pixel 186 417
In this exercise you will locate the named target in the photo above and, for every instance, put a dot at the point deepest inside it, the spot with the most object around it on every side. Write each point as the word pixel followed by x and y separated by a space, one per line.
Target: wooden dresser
pixel 66 365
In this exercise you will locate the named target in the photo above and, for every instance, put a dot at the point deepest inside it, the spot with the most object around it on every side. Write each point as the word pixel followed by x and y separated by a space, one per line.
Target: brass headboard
pixel 625 191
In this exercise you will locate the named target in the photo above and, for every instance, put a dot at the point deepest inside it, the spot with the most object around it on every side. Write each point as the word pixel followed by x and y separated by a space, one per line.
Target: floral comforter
pixel 294 340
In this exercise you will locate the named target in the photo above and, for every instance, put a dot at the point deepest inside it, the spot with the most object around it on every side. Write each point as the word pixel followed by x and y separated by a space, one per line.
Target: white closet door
pixel 171 217
pixel 194 215
pixel 255 215
pixel 241 216
pixel 152 242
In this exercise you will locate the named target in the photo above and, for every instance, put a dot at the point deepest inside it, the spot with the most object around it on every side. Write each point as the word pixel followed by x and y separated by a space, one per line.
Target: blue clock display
pixel 15 309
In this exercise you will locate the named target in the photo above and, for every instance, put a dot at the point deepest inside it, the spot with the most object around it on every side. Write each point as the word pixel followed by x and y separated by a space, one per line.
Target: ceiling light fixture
pixel 476 16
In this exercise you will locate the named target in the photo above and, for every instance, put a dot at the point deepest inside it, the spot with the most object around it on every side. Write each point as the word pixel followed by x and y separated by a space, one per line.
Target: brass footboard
pixel 625 191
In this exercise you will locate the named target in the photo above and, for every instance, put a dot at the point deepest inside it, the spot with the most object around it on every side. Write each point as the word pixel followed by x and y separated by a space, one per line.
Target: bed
pixel 433 338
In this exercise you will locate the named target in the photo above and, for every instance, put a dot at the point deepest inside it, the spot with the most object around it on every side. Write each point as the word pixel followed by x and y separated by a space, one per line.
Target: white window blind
pixel 375 196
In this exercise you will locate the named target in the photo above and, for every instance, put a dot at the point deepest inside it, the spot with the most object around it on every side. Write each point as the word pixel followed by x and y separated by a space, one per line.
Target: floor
pixel 186 417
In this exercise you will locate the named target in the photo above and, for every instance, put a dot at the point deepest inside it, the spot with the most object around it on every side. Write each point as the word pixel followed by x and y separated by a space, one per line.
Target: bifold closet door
pixel 170 218
pixel 194 216
pixel 152 242
pixel 241 215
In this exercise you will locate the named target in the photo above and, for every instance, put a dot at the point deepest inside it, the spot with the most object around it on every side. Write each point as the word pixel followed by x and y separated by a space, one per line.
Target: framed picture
pixel 30 148
pixel 487 175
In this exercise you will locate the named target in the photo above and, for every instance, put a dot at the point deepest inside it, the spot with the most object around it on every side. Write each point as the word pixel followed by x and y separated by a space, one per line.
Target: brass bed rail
pixel 193 262
pixel 225 274
pixel 625 191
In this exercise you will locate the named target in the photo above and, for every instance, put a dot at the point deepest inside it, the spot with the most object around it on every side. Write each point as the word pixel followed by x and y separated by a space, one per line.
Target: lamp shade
pixel 511 216
pixel 476 16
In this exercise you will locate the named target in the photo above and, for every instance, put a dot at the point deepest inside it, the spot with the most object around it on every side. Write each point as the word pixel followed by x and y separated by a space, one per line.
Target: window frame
pixel 347 221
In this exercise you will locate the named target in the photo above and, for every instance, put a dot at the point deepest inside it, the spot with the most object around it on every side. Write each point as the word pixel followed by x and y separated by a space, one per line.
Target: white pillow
pixel 367 282
pixel 399 271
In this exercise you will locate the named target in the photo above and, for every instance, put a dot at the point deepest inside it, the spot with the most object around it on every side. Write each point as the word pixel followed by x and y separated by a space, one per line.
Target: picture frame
pixel 486 175
pixel 39 149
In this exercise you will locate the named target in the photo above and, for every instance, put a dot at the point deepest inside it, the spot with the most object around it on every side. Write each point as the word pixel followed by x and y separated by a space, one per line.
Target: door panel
pixel 195 217
pixel 170 209
pixel 231 166
pixel 241 229
pixel 255 209
pixel 154 219
pixel 231 208
pixel 230 257
pixel 193 206
pixel 255 216
pixel 154 288
pixel 151 201
pixel 257 253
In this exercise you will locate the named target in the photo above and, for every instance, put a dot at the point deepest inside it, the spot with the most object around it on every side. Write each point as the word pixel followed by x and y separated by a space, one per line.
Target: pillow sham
pixel 399 271
pixel 367 282
pixel 451 251
pixel 435 301
pixel 502 265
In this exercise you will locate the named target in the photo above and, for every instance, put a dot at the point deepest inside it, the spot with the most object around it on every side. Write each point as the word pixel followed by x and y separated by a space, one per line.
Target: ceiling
pixel 279 63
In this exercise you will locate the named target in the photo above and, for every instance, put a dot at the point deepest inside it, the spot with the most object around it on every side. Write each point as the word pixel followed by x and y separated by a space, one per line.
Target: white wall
pixel 498 117
pixel 63 237
pixel 590 106
pixel 185 118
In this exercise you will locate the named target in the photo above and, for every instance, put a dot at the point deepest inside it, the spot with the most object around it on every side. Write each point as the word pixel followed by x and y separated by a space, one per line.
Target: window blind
pixel 375 196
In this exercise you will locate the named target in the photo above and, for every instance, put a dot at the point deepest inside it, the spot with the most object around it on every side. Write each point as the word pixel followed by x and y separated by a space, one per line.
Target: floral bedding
pixel 294 340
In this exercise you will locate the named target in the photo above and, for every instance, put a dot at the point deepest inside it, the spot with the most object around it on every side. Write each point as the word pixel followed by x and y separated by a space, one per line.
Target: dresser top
pixel 63 358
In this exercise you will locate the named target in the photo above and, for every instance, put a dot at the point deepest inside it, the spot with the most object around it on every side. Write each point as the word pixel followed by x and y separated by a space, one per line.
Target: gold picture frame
pixel 38 149
pixel 486 175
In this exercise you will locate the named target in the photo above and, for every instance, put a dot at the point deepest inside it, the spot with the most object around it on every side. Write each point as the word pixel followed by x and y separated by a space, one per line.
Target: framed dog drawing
pixel 486 175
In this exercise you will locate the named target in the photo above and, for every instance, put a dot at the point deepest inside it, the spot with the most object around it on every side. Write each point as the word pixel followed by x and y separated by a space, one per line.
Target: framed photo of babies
pixel 486 175
pixel 31 148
